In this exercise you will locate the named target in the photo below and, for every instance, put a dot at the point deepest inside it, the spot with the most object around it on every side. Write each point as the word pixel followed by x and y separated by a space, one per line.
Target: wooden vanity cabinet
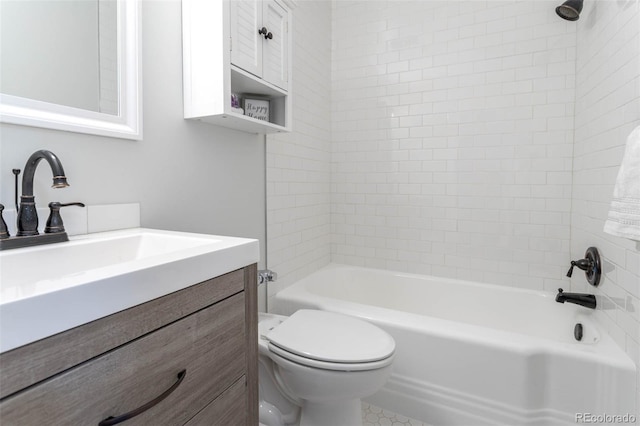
pixel 197 348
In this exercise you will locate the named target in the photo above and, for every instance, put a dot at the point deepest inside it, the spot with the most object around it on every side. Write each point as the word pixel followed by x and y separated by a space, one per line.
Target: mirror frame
pixel 127 124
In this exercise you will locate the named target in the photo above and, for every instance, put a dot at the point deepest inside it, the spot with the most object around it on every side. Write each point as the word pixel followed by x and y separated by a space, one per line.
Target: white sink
pixel 51 288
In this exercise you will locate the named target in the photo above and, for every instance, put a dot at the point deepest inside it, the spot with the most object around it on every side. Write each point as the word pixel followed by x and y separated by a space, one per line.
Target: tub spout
pixel 586 300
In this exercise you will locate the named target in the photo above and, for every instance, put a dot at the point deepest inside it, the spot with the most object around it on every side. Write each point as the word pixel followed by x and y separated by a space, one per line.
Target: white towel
pixel 624 214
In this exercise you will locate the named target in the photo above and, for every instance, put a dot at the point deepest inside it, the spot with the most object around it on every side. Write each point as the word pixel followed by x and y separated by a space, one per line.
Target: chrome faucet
pixel 582 299
pixel 27 214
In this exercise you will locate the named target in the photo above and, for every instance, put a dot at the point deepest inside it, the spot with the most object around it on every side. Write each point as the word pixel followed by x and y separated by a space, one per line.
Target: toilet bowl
pixel 315 366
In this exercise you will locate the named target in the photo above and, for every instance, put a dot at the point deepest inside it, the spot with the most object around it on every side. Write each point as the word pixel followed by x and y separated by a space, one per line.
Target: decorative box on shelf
pixel 256 108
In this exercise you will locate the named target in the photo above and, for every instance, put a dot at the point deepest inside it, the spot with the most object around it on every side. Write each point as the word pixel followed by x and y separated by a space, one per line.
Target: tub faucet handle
pixel 591 266
pixel 583 264
pixel 570 271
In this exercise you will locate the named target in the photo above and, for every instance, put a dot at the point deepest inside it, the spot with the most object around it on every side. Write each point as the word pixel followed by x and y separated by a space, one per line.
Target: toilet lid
pixel 332 337
pixel 326 365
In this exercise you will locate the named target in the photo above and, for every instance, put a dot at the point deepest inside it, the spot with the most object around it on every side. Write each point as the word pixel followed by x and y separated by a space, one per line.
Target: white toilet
pixel 315 366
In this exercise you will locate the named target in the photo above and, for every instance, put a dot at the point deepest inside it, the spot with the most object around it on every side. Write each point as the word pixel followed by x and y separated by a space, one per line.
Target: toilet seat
pixel 334 366
pixel 331 341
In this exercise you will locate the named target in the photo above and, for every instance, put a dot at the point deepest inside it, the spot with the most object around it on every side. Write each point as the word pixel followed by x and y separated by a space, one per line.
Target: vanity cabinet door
pixel 209 344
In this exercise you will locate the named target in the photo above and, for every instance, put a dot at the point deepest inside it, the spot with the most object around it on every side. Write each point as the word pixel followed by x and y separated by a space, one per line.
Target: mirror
pixel 71 65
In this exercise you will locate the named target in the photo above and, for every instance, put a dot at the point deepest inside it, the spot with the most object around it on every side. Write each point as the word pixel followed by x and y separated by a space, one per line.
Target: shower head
pixel 570 10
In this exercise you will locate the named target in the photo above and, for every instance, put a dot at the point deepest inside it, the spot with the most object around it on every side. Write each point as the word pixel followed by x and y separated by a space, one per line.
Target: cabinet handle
pixel 266 33
pixel 109 421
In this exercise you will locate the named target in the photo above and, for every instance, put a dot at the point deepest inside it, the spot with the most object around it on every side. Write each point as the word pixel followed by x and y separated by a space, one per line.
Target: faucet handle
pixel 570 272
pixel 584 264
pixel 54 222
pixel 4 232
pixel 66 204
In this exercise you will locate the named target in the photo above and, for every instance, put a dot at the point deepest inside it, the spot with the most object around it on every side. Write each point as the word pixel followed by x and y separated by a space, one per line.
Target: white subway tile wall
pixel 607 110
pixel 452 139
pixel 299 163
pixel 437 137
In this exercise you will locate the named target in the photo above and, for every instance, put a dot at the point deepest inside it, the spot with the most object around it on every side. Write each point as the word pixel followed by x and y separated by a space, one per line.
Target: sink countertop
pixel 48 289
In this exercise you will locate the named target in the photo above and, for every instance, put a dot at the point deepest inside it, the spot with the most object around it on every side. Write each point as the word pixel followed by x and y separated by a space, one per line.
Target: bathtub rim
pixel 605 350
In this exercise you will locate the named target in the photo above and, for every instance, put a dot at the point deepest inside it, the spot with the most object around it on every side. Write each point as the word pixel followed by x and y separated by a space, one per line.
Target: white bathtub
pixel 472 354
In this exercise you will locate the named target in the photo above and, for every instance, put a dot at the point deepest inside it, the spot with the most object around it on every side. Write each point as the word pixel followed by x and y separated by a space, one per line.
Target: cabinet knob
pixel 267 35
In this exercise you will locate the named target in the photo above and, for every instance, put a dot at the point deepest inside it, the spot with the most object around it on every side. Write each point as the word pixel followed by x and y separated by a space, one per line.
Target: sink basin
pixel 48 289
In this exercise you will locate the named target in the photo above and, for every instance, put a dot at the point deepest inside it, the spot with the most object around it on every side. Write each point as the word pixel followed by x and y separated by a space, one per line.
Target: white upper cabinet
pixel 275 58
pixel 246 43
pixel 260 39
pixel 237 48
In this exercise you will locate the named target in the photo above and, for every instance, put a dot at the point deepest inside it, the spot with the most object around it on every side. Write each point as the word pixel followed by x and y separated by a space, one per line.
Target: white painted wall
pixel 186 175
pixel 607 110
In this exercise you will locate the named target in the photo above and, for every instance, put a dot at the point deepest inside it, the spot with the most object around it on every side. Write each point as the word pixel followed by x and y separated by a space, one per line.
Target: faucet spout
pixel 27 215
pixel 59 178
pixel 586 300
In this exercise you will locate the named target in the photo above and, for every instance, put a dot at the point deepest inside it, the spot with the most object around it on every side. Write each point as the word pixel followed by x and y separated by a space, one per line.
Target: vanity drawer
pixel 208 344
pixel 226 410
